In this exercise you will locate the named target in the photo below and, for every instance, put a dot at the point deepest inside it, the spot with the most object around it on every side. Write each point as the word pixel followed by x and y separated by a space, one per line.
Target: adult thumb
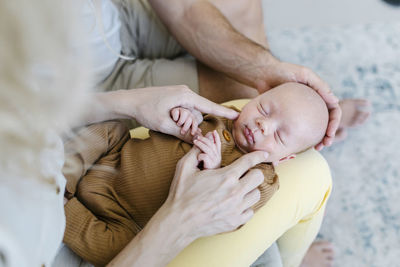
pixel 244 163
pixel 206 106
pixel 188 163
pixel 185 168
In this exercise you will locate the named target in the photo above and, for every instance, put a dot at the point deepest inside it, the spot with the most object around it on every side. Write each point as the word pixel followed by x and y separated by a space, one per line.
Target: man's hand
pixel 280 72
pixel 210 146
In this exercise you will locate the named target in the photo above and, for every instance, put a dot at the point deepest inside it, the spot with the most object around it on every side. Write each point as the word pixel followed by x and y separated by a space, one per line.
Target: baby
pixel 283 121
pixel 111 201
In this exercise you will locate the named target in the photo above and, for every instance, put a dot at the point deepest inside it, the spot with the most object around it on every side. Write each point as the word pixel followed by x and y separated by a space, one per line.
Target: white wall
pixel 280 14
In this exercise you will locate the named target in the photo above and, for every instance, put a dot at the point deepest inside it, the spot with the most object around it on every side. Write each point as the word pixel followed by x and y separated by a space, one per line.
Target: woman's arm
pixel 150 107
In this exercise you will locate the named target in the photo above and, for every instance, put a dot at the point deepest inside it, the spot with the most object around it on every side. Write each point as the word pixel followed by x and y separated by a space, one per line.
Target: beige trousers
pixel 160 60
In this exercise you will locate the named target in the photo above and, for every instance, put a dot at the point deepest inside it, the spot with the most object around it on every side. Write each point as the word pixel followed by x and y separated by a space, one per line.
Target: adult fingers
pixel 251 199
pixel 206 106
pixel 241 165
pixel 250 181
pixel 311 79
pixel 330 99
pixel 185 168
pixel 246 216
pixel 334 120
pixel 189 161
pixel 333 124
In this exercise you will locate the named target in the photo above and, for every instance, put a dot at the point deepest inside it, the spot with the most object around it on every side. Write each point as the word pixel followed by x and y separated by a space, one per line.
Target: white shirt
pixel 104 58
pixel 33 235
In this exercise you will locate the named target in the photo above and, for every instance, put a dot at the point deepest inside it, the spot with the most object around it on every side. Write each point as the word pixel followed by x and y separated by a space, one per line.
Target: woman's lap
pixel 292 217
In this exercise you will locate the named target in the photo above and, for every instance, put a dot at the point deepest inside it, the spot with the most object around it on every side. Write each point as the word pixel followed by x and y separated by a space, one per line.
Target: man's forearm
pixel 205 33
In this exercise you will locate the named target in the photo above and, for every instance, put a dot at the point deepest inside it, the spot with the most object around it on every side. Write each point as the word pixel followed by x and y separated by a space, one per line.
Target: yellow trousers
pixel 292 217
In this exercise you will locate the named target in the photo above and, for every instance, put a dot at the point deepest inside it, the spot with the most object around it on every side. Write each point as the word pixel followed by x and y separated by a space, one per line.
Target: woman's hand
pixel 215 201
pixel 200 203
pixel 151 106
pixel 279 72
pixel 186 119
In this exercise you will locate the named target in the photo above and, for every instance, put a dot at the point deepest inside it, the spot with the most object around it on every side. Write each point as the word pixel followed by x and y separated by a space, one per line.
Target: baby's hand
pixel 210 145
pixel 186 119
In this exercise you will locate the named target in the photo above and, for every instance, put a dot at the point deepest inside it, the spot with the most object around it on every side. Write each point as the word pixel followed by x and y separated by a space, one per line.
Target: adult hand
pixel 151 106
pixel 215 201
pixel 200 203
pixel 279 72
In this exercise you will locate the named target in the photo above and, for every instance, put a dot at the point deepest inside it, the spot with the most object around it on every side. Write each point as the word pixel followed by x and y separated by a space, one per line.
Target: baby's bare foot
pixel 320 254
pixel 354 113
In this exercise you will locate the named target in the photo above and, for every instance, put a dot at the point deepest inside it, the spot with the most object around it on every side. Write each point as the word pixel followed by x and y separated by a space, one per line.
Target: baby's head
pixel 282 121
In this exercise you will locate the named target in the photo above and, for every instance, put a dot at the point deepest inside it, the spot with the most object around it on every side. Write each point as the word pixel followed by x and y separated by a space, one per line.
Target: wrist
pixel 116 104
pixel 174 214
pixel 266 62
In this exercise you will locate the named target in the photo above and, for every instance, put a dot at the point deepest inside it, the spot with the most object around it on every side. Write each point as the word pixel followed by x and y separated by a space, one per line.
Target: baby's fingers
pixel 195 126
pixel 175 114
pixel 208 139
pixel 184 114
pixel 206 159
pixel 205 148
pixel 217 141
pixel 187 125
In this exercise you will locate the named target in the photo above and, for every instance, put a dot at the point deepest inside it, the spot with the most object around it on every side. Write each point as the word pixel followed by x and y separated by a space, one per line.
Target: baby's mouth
pixel 249 135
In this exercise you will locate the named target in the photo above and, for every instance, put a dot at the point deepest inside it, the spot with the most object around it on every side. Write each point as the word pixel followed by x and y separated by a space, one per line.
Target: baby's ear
pixel 291 156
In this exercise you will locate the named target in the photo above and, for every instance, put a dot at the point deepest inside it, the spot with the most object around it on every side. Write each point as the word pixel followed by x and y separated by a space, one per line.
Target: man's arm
pixel 205 32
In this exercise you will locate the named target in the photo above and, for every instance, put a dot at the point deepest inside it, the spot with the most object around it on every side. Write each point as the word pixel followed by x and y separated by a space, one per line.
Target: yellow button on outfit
pixel 226 135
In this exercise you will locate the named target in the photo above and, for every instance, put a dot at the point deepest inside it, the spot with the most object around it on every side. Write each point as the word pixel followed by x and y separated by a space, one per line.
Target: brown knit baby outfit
pixel 116 184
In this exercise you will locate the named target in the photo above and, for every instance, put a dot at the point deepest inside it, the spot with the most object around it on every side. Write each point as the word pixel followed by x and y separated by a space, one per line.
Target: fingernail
pixel 266 155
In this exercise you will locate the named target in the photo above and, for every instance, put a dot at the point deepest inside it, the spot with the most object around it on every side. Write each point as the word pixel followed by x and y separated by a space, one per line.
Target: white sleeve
pixel 10 252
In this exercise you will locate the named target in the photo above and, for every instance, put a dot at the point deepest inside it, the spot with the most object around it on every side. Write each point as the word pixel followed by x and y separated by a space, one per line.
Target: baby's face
pixel 283 121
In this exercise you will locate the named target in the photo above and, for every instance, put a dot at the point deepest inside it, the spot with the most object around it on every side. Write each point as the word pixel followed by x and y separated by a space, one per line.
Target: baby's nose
pixel 262 126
